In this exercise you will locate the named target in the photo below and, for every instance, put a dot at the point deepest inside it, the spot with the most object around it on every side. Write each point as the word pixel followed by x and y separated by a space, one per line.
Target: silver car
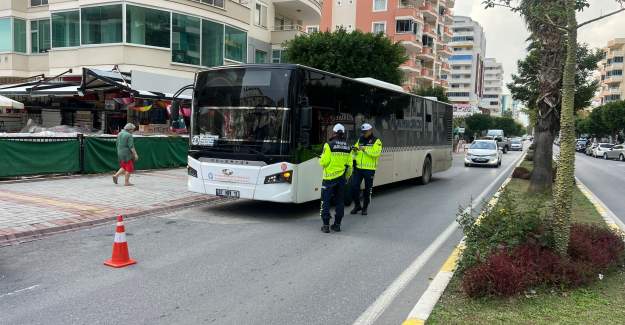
pixel 516 144
pixel 483 153
pixel 602 150
pixel 617 152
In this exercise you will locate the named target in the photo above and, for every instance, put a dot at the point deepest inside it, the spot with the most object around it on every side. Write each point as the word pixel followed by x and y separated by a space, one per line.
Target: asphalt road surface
pixel 605 178
pixel 244 262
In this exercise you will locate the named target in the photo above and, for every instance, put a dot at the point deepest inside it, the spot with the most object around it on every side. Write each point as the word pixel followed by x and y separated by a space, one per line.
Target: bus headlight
pixel 284 177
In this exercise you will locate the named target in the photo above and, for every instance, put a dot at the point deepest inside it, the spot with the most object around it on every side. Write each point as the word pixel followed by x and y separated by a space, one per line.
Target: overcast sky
pixel 506 32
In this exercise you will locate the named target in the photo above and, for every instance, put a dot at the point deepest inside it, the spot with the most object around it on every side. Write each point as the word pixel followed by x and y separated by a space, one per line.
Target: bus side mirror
pixel 175 110
pixel 305 126
pixel 306 118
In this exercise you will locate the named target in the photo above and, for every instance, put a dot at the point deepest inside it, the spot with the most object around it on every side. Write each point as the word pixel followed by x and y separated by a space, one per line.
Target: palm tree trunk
pixel 563 191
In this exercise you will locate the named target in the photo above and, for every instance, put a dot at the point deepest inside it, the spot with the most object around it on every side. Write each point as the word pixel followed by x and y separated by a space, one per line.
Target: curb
pixel 422 310
pixel 608 216
pixel 32 235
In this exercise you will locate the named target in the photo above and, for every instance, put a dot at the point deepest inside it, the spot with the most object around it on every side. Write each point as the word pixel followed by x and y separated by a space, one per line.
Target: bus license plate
pixel 228 193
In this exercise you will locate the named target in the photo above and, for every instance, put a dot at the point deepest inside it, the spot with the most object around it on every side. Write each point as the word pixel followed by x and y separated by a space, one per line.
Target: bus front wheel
pixel 426 176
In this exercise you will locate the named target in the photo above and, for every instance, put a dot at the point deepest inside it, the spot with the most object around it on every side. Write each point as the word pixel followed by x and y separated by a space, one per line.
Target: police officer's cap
pixel 366 127
pixel 338 128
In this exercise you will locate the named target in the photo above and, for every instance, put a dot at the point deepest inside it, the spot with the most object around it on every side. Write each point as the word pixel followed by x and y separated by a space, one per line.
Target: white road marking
pixel 392 291
pixel 18 291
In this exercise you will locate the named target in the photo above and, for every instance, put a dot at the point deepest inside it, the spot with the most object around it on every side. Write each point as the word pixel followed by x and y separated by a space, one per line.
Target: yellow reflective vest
pixel 368 157
pixel 336 160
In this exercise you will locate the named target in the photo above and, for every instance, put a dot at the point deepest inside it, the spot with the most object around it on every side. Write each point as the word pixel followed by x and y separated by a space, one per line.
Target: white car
pixel 601 150
pixel 483 153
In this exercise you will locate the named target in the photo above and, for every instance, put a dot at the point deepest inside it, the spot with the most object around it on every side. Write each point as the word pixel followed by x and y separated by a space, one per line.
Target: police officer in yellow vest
pixel 367 151
pixel 336 161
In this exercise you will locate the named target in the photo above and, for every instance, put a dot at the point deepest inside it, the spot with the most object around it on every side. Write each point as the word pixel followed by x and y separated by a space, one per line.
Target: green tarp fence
pixel 18 158
pixel 23 157
pixel 157 152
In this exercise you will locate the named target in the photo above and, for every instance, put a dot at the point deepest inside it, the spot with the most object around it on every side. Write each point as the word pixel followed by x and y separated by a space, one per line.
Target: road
pixel 243 262
pixel 605 178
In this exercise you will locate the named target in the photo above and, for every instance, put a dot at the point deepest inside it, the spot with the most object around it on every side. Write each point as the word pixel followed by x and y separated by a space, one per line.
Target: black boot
pixel 325 229
pixel 355 209
pixel 336 227
pixel 364 211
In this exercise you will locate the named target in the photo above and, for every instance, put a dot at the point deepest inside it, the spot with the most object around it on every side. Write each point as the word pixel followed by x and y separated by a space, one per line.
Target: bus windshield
pixel 243 110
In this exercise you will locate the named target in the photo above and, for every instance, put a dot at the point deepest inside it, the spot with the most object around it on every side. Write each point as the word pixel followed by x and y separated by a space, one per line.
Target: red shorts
pixel 128 166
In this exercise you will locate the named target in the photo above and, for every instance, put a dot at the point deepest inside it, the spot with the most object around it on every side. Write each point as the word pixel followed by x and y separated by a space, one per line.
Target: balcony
pixel 445 67
pixel 613 79
pixel 428 30
pixel 410 41
pixel 427 74
pixel 426 54
pixel 445 51
pixel 447 31
pixel 429 13
pixel 612 54
pixel 281 34
pixel 411 66
pixel 304 10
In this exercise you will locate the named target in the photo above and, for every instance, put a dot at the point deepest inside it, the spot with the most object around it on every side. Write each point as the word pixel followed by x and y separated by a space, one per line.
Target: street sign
pixel 461 130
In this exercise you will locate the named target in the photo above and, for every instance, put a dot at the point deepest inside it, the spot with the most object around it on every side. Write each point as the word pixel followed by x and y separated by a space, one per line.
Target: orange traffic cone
pixel 120 256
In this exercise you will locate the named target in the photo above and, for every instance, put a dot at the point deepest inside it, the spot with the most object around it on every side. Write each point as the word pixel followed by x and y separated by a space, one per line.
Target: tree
pixel 436 91
pixel 613 117
pixel 354 54
pixel 477 123
pixel 560 17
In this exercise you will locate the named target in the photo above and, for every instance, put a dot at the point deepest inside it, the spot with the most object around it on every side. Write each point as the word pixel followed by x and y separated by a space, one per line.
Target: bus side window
pixel 429 128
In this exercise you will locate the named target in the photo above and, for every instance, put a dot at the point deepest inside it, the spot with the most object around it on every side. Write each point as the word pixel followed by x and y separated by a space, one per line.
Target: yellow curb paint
pixel 413 321
pixel 39 200
pixel 452 260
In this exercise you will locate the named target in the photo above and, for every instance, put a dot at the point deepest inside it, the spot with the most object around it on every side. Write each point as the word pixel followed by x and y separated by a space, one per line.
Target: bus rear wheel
pixel 426 176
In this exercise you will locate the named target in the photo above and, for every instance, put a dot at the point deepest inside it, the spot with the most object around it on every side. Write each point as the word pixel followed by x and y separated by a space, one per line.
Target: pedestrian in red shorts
pixel 126 154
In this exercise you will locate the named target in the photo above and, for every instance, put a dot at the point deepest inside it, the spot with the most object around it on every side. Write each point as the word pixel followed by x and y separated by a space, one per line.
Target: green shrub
pixel 502 226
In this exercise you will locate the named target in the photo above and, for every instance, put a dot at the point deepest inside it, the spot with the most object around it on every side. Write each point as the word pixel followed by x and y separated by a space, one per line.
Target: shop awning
pixel 139 84
pixel 10 103
pixel 40 89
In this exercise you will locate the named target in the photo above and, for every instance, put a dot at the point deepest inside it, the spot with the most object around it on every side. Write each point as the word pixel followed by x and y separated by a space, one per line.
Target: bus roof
pixel 368 81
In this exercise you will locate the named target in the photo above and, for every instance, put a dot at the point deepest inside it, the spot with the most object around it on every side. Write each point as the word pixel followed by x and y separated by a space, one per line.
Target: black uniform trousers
pixel 357 177
pixel 332 188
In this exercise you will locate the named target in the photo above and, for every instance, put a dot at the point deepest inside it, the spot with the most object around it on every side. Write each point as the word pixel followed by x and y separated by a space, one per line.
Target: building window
pixel 260 56
pixel 236 44
pixel 461 57
pixel 19 35
pixel 216 3
pixel 379 5
pixel 101 25
pixel 312 29
pixel 260 15
pixel 6 38
pixel 35 3
pixel 278 56
pixel 65 29
pixel 379 27
pixel 212 43
pixel 147 26
pixel 39 36
pixel 185 39
pixel 404 26
pixel 615 73
pixel 618 59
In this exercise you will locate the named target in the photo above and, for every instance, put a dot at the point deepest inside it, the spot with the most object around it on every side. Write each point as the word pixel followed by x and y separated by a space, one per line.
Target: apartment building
pixel 468 45
pixel 421 26
pixel 493 87
pixel 611 70
pixel 175 37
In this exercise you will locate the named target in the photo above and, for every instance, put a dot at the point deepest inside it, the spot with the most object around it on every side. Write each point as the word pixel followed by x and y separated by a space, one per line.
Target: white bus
pixel 257 130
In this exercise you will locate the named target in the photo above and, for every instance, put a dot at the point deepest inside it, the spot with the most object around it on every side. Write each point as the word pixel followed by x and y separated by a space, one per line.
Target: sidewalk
pixel 30 209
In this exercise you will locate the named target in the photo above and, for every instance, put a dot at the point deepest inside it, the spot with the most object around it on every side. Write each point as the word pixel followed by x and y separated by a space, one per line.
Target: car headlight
pixel 284 177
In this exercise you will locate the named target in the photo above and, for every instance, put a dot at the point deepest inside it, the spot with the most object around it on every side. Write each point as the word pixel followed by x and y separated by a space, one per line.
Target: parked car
pixel 601 150
pixel 590 149
pixel 617 152
pixel 516 144
pixel 483 153
pixel 580 145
